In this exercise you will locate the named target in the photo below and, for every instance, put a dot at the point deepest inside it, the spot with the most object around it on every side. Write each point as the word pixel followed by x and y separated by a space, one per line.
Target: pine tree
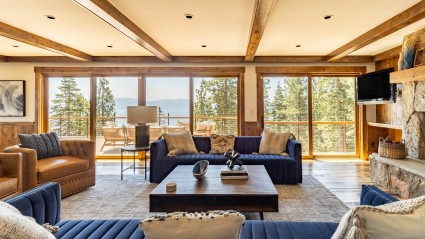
pixel 69 105
pixel 105 104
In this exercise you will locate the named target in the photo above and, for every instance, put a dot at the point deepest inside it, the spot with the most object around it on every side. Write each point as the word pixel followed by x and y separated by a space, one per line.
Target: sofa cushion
pixel 57 167
pixel 205 225
pixel 46 145
pixel 13 225
pixel 8 186
pixel 180 143
pixel 96 229
pixel 273 142
pixel 221 144
pixel 285 229
pixel 402 219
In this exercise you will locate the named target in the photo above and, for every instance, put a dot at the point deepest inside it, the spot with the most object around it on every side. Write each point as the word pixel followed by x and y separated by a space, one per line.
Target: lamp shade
pixel 141 114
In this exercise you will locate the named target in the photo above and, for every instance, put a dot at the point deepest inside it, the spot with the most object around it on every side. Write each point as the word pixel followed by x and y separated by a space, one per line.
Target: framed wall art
pixel 12 98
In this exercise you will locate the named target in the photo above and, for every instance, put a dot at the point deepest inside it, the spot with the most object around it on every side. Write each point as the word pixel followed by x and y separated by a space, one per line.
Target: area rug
pixel 112 198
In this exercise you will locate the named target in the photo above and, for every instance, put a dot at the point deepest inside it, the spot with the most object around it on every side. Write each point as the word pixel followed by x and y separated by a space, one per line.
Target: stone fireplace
pixel 413 108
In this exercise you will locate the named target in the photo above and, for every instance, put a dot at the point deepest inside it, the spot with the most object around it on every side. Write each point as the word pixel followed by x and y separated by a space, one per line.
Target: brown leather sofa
pixel 10 174
pixel 75 170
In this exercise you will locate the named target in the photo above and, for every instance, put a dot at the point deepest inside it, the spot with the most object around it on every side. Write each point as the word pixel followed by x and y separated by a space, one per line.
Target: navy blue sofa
pixel 44 204
pixel 281 169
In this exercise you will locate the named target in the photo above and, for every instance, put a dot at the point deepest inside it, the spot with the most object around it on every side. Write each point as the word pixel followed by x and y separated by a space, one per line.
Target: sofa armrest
pixel 159 149
pixel 83 149
pixel 11 167
pixel 373 196
pixel 43 203
pixel 29 165
pixel 293 148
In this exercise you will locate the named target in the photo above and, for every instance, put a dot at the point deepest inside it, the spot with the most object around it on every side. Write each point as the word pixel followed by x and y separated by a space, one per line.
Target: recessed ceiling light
pixel 15 46
pixel 298 46
pixel 188 16
pixel 326 17
pixel 204 45
pixel 110 46
pixel 50 17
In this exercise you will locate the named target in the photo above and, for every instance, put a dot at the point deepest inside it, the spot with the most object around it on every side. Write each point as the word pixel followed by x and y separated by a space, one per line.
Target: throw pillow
pixel 46 145
pixel 273 142
pixel 221 144
pixel 14 225
pixel 205 225
pixel 402 219
pixel 180 143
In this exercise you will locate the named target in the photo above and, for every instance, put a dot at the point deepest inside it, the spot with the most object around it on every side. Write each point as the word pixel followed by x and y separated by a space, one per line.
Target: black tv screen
pixel 375 87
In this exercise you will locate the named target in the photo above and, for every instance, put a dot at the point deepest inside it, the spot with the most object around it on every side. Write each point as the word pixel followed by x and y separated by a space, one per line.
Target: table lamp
pixel 140 115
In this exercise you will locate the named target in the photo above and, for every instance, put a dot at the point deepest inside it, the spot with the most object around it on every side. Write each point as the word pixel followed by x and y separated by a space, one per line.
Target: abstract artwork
pixel 12 98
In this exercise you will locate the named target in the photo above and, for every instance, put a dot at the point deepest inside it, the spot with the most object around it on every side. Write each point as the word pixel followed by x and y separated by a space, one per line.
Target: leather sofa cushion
pixel 61 166
pixel 8 186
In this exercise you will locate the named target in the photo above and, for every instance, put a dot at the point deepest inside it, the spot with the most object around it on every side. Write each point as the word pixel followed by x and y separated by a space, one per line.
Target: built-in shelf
pixel 412 74
pixel 388 126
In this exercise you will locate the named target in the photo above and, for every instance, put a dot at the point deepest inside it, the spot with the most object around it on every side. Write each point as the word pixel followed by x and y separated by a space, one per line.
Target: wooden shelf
pixel 412 74
pixel 388 126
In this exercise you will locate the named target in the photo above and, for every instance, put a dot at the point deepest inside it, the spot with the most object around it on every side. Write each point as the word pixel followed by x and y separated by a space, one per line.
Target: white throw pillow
pixel 201 225
pixel 13 225
pixel 274 142
pixel 402 220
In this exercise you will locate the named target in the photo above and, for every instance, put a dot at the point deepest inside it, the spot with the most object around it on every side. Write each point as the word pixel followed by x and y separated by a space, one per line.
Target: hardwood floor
pixel 343 177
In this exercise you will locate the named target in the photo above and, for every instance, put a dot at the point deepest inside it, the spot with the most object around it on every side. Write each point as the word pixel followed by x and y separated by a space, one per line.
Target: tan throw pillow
pixel 221 144
pixel 274 142
pixel 13 225
pixel 180 143
pixel 205 225
pixel 402 219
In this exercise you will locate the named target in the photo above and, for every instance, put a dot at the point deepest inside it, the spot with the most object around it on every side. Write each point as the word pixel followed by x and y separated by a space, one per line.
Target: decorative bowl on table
pixel 199 169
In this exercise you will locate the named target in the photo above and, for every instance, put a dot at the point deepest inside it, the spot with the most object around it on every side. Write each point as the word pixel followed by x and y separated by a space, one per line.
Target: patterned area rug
pixel 113 198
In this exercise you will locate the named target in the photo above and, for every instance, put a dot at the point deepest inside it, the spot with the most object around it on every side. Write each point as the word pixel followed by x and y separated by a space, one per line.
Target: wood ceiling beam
pixel 193 59
pixel 2 58
pixel 262 9
pixel 388 53
pixel 399 21
pixel 111 15
pixel 41 42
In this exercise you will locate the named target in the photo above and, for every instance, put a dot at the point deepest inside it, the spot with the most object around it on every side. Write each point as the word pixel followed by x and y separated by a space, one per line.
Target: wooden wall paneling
pixel 373 138
pixel 388 53
pixel 9 132
pixel 252 129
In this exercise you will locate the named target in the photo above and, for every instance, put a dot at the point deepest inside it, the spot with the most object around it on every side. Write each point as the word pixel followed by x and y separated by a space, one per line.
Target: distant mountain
pixel 176 107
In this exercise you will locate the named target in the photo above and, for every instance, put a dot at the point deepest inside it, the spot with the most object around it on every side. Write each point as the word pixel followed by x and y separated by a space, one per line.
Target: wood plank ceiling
pixel 126 20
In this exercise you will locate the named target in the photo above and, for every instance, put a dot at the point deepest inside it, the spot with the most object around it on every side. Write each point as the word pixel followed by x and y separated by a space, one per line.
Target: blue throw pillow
pixel 46 145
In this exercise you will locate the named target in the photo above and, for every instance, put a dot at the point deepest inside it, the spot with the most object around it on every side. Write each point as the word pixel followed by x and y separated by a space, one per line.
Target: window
pixel 286 106
pixel 69 106
pixel 334 127
pixel 216 100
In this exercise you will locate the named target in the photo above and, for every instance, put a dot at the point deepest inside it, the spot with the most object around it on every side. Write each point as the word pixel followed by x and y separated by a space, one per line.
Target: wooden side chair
pixel 113 135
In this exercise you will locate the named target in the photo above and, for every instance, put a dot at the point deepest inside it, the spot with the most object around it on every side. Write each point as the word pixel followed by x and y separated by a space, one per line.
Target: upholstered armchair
pixel 10 174
pixel 74 170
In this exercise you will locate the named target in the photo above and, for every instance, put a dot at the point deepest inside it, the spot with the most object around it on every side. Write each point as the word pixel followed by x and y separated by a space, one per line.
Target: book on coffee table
pixel 238 172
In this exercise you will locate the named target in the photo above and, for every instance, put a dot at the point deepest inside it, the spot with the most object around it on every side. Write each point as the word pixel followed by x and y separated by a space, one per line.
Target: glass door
pixel 334 118
pixel 286 106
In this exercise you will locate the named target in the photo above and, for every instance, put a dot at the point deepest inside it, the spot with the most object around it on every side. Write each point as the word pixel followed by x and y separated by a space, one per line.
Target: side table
pixel 134 149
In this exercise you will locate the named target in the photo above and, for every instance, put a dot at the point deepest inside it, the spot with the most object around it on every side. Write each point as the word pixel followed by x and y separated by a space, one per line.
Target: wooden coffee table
pixel 255 194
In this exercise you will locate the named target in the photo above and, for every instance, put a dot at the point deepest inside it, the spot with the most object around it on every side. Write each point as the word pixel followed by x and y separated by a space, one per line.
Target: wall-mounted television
pixel 375 88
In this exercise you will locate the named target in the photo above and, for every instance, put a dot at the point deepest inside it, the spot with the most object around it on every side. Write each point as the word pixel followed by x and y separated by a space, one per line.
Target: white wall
pixel 25 71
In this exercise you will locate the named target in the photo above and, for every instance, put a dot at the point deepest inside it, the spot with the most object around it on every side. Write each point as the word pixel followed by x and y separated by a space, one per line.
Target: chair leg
pixel 103 145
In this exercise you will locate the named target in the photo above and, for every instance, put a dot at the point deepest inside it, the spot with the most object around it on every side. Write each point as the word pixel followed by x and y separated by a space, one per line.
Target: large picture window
pixel 86 104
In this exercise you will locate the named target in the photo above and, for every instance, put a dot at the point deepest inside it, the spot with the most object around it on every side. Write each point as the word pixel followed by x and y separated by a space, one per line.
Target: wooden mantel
pixel 412 74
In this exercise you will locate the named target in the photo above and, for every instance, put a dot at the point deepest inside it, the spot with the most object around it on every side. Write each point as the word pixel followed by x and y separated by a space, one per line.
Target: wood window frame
pixel 43 73
pixel 311 71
